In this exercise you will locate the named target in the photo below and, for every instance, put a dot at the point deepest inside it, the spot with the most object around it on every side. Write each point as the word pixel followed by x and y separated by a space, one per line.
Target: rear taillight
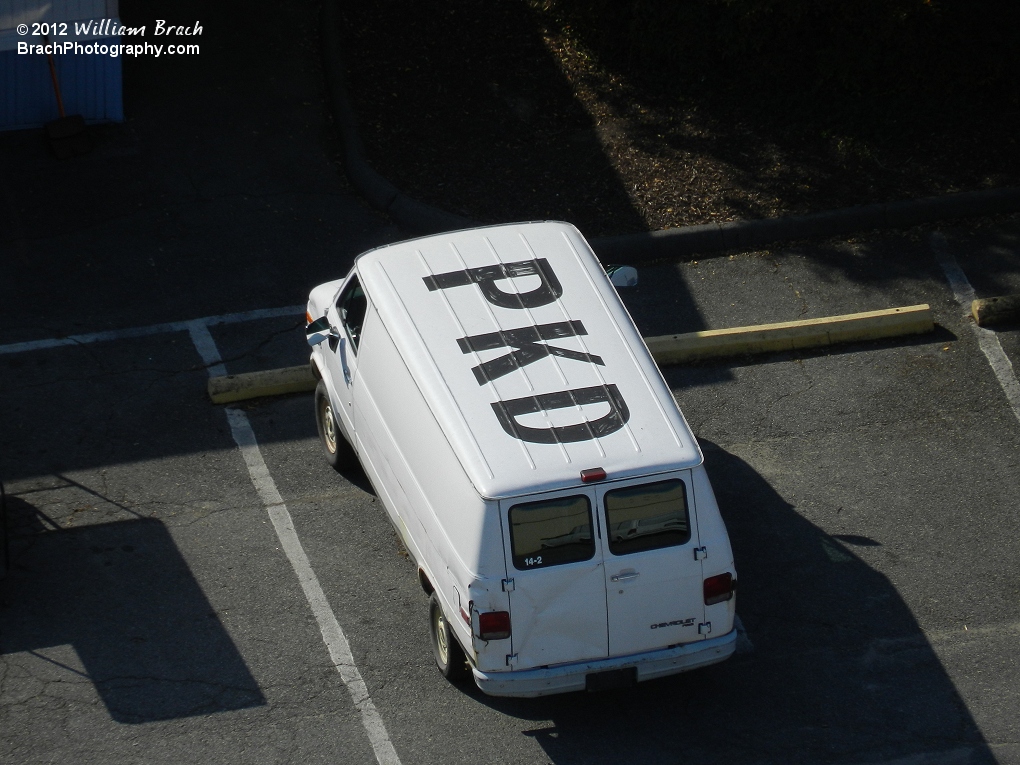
pixel 494 625
pixel 719 589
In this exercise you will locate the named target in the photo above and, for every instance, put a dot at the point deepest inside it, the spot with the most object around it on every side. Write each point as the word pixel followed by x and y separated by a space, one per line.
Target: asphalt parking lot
pixel 869 490
pixel 181 571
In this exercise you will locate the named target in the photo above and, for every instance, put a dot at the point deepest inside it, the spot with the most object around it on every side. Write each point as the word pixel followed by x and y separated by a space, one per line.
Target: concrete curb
pixel 996 310
pixel 666 349
pixel 631 249
pixel 791 335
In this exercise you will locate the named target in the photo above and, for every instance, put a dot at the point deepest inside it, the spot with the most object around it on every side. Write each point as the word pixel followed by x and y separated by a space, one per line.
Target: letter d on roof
pixel 487 276
pixel 508 411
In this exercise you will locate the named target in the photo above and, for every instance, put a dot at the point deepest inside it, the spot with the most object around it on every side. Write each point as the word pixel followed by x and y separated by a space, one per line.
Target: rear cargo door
pixel 653 565
pixel 556 580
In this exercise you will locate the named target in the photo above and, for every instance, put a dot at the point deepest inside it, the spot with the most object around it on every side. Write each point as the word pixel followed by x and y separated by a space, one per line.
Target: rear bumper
pixel 571 677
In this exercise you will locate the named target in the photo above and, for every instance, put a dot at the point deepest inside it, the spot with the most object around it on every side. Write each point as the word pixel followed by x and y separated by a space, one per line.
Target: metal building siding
pixel 13 12
pixel 90 85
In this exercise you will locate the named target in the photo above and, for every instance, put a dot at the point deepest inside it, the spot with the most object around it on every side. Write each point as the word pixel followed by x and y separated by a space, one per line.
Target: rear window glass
pixel 647 517
pixel 551 532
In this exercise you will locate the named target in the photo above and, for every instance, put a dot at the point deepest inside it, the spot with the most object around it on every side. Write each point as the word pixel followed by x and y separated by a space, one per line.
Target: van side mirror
pixel 318 331
pixel 622 276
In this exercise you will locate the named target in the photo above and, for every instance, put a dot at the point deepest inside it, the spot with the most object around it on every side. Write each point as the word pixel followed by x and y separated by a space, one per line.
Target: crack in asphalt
pixel 167 373
pixel 163 374
pixel 170 373
pixel 804 308
pixel 811 384
pixel 262 344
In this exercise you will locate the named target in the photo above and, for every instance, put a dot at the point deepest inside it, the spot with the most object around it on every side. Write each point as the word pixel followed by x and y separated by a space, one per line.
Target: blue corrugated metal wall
pixel 90 85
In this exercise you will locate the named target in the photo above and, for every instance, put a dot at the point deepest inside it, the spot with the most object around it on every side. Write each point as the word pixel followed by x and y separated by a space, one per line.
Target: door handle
pixel 347 375
pixel 624 577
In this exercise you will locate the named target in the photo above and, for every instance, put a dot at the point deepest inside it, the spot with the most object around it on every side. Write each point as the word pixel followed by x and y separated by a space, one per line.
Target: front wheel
pixel 449 655
pixel 339 453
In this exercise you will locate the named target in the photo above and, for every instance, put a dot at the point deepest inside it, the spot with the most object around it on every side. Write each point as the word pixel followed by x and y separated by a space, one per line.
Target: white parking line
pixel 332 634
pixel 206 347
pixel 987 339
pixel 153 329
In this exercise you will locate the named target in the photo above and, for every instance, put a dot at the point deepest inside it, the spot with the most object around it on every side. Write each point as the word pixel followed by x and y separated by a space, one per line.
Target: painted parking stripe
pixel 987 339
pixel 332 633
pixel 206 347
pixel 153 329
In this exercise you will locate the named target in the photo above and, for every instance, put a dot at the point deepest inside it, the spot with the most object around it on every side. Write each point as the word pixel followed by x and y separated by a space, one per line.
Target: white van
pixel 529 455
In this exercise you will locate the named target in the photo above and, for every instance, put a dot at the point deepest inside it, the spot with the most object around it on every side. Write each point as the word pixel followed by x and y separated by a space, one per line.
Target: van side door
pixel 653 564
pixel 556 579
pixel 346 316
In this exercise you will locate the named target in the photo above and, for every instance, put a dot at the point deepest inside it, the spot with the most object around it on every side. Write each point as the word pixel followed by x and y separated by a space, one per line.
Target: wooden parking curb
pixel 271 382
pixel 791 335
pixel 666 349
pixel 996 310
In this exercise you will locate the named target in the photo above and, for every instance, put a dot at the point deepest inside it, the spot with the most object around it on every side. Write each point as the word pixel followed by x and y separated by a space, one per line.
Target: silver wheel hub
pixel 329 428
pixel 444 649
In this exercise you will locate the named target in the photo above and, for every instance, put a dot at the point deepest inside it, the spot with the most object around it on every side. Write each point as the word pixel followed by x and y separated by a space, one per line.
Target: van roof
pixel 527 357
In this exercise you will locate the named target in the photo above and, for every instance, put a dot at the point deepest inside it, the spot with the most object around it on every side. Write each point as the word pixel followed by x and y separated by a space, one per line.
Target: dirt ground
pixel 497 112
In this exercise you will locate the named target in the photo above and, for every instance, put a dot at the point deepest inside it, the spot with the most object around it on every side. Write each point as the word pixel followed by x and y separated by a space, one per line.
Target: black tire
pixel 339 453
pixel 449 655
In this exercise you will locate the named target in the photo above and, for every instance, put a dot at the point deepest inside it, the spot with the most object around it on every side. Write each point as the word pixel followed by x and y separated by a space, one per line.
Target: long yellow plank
pixel 271 382
pixel 791 335
pixel 996 310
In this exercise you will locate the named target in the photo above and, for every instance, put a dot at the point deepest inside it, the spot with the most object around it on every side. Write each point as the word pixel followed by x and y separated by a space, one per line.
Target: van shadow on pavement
pixel 122 597
pixel 839 671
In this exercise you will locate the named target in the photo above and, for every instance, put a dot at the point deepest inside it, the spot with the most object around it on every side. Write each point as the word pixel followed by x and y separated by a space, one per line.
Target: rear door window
pixel 551 532
pixel 647 517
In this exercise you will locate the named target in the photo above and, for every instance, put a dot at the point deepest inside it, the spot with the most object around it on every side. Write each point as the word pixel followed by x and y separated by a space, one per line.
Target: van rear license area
pixel 612 678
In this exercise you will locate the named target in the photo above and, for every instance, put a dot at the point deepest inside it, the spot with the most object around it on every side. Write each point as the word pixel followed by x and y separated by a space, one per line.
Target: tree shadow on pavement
pixel 463 106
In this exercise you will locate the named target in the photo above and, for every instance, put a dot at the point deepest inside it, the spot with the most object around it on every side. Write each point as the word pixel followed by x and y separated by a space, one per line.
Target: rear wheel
pixel 449 655
pixel 339 453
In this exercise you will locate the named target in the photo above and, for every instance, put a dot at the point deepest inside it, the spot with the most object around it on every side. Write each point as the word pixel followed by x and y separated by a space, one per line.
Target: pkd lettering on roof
pixel 529 345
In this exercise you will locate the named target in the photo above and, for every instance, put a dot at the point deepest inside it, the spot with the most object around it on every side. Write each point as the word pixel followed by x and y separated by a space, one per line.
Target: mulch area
pixel 494 111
